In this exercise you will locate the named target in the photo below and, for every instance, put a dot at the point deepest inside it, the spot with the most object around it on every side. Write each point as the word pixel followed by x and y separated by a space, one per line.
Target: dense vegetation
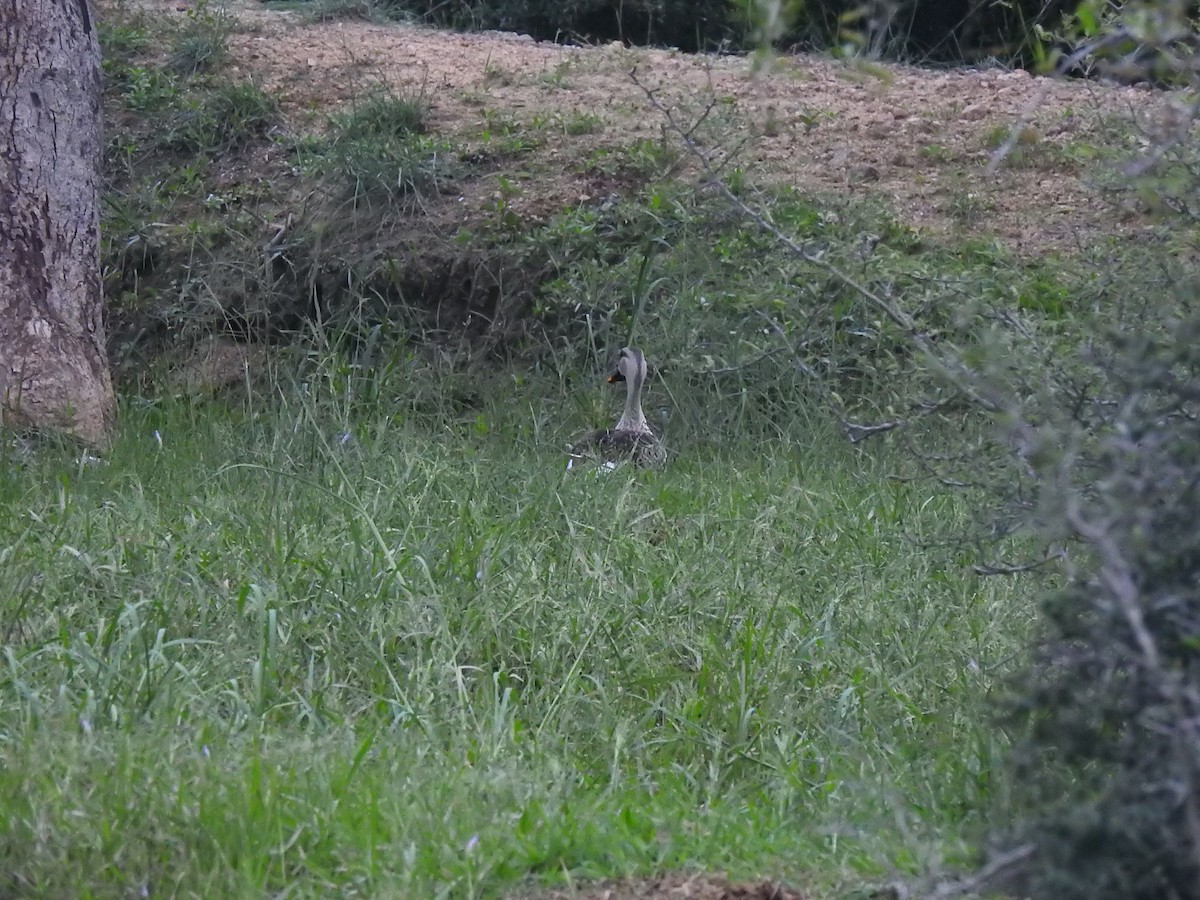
pixel 942 32
pixel 419 659
pixel 1113 762
pixel 347 626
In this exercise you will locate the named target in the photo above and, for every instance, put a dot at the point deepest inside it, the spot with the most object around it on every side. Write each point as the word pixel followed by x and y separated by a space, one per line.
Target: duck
pixel 631 439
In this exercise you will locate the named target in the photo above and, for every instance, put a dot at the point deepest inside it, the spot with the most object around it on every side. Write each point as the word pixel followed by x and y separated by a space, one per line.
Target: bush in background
pixel 940 31
pixel 1110 767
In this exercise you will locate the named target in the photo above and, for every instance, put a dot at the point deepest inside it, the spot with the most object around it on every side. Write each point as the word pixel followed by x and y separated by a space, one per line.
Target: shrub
pixel 941 31
pixel 201 44
pixel 689 24
pixel 1112 703
pixel 378 149
pixel 219 118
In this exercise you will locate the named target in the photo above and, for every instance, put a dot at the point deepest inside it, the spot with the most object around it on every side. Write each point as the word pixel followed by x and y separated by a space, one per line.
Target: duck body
pixel 615 445
pixel 631 439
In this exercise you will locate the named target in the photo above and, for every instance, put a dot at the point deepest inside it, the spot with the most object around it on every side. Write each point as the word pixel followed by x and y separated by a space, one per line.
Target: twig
pixel 1014 135
pixel 766 354
pixel 1005 569
pixel 1116 574
pixel 974 883
pixel 947 362
pixel 857 432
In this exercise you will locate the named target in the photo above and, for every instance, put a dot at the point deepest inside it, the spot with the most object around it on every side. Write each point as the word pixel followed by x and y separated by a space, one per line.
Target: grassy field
pixel 250 653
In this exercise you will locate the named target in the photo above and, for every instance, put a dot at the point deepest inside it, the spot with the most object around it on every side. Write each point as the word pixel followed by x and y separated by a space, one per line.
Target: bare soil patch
pixel 915 140
pixel 669 887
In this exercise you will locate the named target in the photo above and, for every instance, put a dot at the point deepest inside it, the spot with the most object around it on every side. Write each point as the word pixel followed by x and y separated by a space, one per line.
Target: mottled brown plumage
pixel 631 439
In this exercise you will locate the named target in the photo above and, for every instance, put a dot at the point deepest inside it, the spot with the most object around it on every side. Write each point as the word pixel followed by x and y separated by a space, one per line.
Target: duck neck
pixel 633 419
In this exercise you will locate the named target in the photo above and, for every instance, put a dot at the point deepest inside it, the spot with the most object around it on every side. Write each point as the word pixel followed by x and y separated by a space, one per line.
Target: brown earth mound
pixel 917 140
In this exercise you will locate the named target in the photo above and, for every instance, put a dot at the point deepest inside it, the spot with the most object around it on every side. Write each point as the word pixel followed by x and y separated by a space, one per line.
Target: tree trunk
pixel 53 362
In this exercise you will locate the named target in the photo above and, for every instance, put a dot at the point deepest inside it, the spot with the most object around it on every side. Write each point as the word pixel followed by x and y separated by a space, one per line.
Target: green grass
pixel 383 115
pixel 379 151
pixel 427 661
pixel 201 42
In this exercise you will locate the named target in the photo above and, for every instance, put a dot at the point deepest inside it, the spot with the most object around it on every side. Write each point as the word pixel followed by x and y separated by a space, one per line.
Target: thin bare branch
pixel 857 432
pixel 1117 576
pixel 1017 569
pixel 947 360
pixel 974 883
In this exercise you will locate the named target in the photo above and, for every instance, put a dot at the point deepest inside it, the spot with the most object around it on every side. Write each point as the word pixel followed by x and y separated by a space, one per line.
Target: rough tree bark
pixel 53 364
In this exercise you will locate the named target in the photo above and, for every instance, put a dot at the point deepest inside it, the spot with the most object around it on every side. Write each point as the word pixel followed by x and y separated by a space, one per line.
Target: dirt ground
pixel 918 141
pixel 669 887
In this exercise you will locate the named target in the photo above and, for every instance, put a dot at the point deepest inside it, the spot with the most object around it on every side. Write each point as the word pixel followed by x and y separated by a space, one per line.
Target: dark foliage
pixel 944 31
pixel 939 31
pixel 689 24
pixel 1112 759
